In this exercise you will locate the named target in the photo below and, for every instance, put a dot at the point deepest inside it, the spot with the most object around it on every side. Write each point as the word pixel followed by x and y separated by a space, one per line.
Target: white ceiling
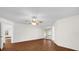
pixel 47 14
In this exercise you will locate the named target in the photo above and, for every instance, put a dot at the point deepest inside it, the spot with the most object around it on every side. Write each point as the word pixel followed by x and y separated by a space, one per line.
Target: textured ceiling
pixel 47 14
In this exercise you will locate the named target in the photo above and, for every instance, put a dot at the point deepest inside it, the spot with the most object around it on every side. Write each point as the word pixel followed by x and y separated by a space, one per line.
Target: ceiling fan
pixel 34 21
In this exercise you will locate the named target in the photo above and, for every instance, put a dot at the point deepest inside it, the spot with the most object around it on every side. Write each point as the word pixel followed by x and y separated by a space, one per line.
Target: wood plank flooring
pixel 35 45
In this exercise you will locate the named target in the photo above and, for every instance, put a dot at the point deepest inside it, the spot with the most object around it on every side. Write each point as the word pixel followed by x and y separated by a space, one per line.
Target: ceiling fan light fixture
pixel 34 23
pixel 34 20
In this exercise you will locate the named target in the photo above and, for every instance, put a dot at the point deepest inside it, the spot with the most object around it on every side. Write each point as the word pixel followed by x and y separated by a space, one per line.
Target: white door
pixel 1 37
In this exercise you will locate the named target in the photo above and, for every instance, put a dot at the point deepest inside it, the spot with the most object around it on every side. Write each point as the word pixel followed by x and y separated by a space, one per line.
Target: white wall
pixel 0 35
pixel 3 20
pixel 66 32
pixel 24 32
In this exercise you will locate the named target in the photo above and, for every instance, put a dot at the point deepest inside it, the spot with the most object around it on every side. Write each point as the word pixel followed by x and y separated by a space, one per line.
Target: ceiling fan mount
pixel 34 21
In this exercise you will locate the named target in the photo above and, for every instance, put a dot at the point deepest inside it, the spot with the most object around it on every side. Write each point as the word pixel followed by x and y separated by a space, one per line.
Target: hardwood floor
pixel 35 45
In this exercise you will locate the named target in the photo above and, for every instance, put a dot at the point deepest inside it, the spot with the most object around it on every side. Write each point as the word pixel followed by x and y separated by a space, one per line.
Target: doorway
pixel 7 43
pixel 8 35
